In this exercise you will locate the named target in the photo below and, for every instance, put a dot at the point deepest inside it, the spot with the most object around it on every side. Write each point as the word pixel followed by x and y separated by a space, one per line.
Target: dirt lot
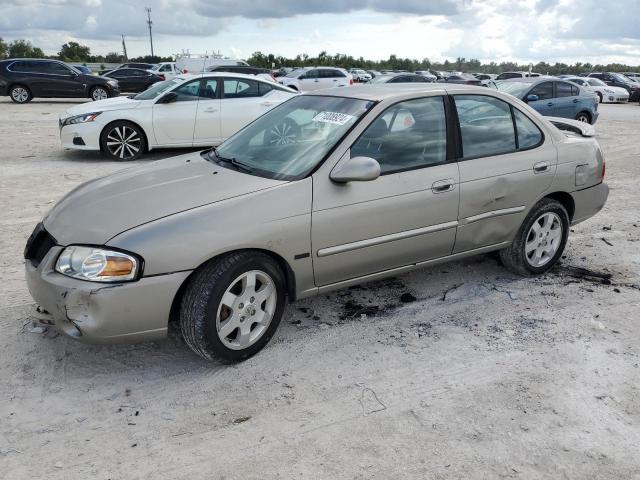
pixel 457 371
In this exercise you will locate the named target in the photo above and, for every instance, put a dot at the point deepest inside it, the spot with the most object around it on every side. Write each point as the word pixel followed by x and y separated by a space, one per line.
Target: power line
pixel 149 22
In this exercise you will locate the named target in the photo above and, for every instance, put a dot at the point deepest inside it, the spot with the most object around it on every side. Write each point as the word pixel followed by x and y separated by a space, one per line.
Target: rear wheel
pixel 583 117
pixel 232 306
pixel 540 240
pixel 122 141
pixel 20 94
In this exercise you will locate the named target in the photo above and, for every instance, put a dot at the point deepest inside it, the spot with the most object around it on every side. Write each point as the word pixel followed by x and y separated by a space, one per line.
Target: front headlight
pixel 607 90
pixel 84 118
pixel 97 264
pixel 113 83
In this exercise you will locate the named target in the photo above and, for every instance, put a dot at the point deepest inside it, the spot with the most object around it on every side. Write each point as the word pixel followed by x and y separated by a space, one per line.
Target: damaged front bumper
pixel 100 312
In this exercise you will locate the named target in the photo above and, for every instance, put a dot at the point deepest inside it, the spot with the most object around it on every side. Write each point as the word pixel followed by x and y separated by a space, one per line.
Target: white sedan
pixel 606 93
pixel 186 111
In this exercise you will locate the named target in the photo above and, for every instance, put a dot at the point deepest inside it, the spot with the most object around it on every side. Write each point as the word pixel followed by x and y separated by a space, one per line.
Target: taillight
pixel 273 78
pixel 471 82
pixel 604 169
pixel 161 77
pixel 351 81
pixel 185 71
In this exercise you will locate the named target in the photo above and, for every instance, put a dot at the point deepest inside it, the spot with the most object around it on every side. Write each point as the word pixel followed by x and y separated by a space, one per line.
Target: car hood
pixel 100 209
pixel 115 103
pixel 616 90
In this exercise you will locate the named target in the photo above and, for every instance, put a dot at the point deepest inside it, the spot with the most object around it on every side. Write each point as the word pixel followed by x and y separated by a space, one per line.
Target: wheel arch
pixel 137 124
pixel 290 278
pixel 566 200
pixel 20 84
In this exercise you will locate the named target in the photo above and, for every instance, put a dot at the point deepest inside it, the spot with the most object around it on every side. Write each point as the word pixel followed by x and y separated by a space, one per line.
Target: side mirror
pixel 169 97
pixel 356 169
pixel 532 98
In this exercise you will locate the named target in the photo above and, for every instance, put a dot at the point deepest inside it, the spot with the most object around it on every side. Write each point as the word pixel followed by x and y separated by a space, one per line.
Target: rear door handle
pixel 575 100
pixel 210 110
pixel 442 186
pixel 540 167
pixel 550 104
pixel 267 104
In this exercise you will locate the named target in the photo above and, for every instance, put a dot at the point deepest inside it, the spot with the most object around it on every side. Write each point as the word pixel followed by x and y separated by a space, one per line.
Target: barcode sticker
pixel 333 117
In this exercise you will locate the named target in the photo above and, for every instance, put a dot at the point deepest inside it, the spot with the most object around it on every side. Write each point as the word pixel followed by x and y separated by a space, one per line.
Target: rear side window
pixel 27 66
pixel 564 90
pixel 264 88
pixel 544 91
pixel 406 136
pixel 529 135
pixel 236 88
pixel 486 126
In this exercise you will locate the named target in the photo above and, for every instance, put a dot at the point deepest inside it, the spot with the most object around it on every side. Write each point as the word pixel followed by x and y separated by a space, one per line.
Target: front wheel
pixel 99 93
pixel 540 240
pixel 232 306
pixel 122 141
pixel 20 94
pixel 583 117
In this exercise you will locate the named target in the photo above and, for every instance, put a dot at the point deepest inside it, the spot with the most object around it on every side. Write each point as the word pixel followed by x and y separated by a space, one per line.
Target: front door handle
pixel 442 186
pixel 540 167
pixel 267 104
pixel 550 104
pixel 575 100
pixel 211 110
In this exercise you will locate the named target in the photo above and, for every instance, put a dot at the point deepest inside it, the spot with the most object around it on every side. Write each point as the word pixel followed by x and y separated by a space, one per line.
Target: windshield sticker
pixel 333 117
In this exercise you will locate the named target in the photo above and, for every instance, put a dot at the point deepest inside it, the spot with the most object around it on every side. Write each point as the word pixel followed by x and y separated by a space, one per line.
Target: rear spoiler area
pixel 574 126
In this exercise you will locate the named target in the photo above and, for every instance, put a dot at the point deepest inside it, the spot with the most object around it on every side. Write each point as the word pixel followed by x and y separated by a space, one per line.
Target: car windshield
pixel 596 82
pixel 295 73
pixel 288 142
pixel 517 89
pixel 621 78
pixel 75 69
pixel 158 89
pixel 382 78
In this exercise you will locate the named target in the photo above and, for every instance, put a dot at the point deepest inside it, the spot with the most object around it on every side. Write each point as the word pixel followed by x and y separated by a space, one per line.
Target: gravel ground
pixel 455 371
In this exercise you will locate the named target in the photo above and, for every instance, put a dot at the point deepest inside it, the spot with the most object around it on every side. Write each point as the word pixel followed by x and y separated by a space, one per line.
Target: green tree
pixel 4 48
pixel 24 49
pixel 113 57
pixel 74 52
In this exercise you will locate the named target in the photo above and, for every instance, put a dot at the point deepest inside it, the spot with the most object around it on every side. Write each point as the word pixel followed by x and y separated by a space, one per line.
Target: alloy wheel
pixel 99 94
pixel 543 240
pixel 246 310
pixel 20 94
pixel 583 118
pixel 282 134
pixel 124 142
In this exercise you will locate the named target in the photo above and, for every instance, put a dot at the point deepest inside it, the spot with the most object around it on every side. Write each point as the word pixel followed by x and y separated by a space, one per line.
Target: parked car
pixel 426 74
pixel 83 69
pixel 510 75
pixel 263 73
pixel 484 76
pixel 618 80
pixel 307 79
pixel 360 75
pixel 604 92
pixel 167 69
pixel 632 75
pixel 401 78
pixel 193 63
pixel 142 66
pixel 22 79
pixel 463 79
pixel 134 80
pixel 281 72
pixel 189 110
pixel 554 97
pixel 374 73
pixel 369 185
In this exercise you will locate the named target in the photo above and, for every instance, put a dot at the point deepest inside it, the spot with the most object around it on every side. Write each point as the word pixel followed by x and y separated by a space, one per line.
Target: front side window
pixel 408 135
pixel 486 126
pixel 310 74
pixel 209 89
pixel 289 141
pixel 236 88
pixel 544 91
pixel 596 82
pixel 188 92
pixel 57 69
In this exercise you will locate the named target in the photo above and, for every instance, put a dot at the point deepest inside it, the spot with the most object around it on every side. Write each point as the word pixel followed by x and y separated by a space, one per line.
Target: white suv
pixel 316 78
pixel 360 75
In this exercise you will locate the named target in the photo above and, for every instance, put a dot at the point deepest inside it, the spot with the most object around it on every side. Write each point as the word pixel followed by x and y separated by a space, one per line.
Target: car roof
pixel 389 91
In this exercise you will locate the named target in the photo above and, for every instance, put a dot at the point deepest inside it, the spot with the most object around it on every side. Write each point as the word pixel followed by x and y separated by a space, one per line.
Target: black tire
pixel 20 94
pixel 98 93
pixel 203 297
pixel 584 117
pixel 599 97
pixel 111 138
pixel 514 257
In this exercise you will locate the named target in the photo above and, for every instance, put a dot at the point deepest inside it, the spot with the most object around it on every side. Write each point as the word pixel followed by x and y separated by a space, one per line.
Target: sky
pixel 595 31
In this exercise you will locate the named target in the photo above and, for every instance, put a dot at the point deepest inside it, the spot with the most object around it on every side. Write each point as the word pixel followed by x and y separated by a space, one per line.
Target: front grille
pixel 38 245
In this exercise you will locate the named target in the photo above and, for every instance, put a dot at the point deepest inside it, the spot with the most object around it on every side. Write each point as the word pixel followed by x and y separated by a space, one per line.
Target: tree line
pixel 75 52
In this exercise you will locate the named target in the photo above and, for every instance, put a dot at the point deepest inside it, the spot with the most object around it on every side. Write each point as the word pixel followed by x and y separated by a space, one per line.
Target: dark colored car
pixel 83 69
pixel 134 80
pixel 619 80
pixel 400 78
pixel 463 79
pixel 554 97
pixel 142 66
pixel 24 78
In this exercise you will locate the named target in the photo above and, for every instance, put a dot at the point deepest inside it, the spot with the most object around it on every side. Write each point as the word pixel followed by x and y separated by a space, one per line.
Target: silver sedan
pixel 327 190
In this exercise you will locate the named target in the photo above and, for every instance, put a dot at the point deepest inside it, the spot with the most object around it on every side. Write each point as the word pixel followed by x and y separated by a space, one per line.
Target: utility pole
pixel 149 22
pixel 124 49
